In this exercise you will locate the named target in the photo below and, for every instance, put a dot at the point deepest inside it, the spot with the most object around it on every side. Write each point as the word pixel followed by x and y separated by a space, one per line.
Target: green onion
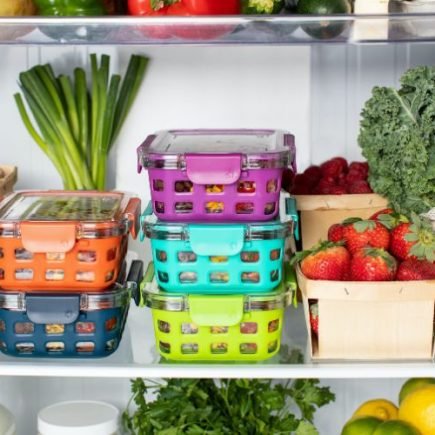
pixel 74 126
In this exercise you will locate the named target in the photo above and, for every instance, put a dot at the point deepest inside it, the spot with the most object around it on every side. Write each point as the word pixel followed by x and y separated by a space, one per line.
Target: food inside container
pixel 219 258
pixel 64 240
pixel 65 324
pixel 216 175
pixel 217 327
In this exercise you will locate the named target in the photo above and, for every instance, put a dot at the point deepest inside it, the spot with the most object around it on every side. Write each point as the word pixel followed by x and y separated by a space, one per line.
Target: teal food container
pixel 219 258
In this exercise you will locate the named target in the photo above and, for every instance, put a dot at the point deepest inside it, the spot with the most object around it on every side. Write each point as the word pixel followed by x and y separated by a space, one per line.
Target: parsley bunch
pixel 235 406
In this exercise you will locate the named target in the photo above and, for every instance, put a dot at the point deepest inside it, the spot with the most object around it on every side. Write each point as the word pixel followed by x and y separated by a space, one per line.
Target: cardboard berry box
pixel 370 320
pixel 319 212
pixel 8 177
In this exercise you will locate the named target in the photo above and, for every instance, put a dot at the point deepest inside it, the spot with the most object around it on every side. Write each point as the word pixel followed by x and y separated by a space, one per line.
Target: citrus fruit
pixel 396 427
pixel 412 385
pixel 380 408
pixel 418 408
pixel 361 426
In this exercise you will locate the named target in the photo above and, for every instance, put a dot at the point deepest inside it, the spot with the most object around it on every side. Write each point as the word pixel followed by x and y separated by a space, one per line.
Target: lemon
pixel 361 426
pixel 412 385
pixel 396 427
pixel 380 408
pixel 418 408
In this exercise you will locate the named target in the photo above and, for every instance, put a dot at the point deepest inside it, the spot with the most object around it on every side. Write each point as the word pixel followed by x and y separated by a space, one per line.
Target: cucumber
pixel 325 29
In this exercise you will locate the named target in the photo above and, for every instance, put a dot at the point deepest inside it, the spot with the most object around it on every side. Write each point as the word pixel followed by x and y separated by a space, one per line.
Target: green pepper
pixel 68 8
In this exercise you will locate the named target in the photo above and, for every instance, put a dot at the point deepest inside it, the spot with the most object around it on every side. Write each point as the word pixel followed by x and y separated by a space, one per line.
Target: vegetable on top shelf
pixel 74 125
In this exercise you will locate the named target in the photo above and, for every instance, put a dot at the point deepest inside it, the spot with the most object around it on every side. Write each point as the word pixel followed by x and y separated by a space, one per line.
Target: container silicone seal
pixel 216 175
pixel 64 239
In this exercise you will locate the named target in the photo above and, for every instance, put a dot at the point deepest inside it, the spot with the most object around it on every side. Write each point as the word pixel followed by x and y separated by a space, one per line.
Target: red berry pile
pixel 386 247
pixel 333 177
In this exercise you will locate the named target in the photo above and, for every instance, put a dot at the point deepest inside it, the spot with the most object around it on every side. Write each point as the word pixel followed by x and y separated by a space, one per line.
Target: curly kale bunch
pixel 397 138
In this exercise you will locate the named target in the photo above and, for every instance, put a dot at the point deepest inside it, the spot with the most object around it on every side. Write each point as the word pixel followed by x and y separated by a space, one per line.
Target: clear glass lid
pixel 61 206
pixel 256 148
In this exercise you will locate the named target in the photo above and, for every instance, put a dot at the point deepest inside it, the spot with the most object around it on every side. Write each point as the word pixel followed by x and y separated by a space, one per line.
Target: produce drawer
pixel 218 327
pixel 216 175
pixel 370 320
pixel 219 258
pixel 66 325
pixel 60 240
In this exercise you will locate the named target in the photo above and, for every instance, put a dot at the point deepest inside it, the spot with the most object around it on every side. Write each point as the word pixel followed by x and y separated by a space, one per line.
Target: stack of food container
pixel 63 286
pixel 215 288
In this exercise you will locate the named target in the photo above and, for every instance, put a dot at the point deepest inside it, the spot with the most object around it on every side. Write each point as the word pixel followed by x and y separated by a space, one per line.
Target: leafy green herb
pixel 236 406
pixel 77 127
pixel 398 139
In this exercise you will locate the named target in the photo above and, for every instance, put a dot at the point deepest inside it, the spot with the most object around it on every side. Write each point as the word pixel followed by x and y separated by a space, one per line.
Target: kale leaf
pixel 397 138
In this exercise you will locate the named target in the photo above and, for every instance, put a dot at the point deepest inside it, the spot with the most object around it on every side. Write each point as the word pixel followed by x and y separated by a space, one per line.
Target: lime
pixel 361 426
pixel 396 427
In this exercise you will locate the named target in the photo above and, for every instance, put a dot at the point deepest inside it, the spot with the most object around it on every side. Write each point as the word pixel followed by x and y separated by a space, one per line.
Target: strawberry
pixel 324 186
pixel 361 167
pixel 299 189
pixel 369 264
pixel 354 176
pixel 360 186
pixel 386 211
pixel 326 260
pixel 288 178
pixel 389 218
pixel 313 174
pixel 413 269
pixel 301 185
pixel 413 239
pixel 335 233
pixel 334 167
pixel 366 233
pixel 337 190
pixel 314 318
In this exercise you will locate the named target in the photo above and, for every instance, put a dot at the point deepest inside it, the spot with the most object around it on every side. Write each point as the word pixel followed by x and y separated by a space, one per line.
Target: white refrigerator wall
pixel 316 93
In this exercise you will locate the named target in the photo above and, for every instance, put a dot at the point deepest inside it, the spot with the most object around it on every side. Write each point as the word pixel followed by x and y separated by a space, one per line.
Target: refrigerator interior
pixel 316 92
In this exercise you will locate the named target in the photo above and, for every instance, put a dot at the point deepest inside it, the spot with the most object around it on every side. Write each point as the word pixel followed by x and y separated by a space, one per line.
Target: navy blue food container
pixel 66 325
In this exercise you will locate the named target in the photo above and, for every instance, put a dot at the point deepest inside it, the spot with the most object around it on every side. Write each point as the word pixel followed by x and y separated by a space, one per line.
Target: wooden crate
pixel 370 320
pixel 319 212
pixel 7 182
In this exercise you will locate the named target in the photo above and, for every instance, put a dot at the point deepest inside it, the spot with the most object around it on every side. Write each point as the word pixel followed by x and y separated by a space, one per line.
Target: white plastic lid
pixel 78 418
pixel 7 423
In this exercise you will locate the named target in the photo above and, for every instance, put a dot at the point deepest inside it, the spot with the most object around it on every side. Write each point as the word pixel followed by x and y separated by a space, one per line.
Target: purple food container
pixel 216 175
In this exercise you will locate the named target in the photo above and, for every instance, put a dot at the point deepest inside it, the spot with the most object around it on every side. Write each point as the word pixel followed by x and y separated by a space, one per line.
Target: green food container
pixel 217 327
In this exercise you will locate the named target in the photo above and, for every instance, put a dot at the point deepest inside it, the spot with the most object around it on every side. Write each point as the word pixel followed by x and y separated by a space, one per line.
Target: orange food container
pixel 64 240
